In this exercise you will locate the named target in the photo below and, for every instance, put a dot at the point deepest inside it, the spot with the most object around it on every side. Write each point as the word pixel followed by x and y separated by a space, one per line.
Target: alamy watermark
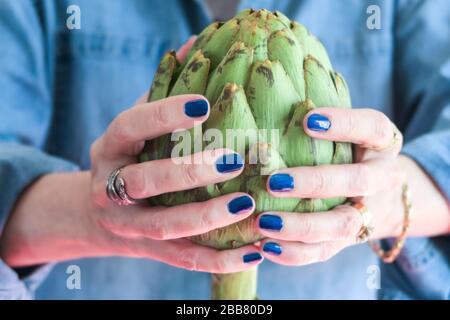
pixel 373 21
pixel 73 21
pixel 373 281
pixel 258 146
pixel 73 281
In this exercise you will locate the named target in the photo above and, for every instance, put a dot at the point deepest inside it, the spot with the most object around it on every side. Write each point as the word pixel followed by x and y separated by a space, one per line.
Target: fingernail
pixel 281 182
pixel 196 108
pixel 240 204
pixel 229 163
pixel 318 122
pixel 250 257
pixel 270 222
pixel 272 247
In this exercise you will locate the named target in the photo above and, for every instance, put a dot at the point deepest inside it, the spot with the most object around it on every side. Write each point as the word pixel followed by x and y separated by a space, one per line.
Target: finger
pixel 149 120
pixel 183 253
pixel 327 181
pixel 183 51
pixel 300 254
pixel 366 127
pixel 143 180
pixel 163 223
pixel 341 223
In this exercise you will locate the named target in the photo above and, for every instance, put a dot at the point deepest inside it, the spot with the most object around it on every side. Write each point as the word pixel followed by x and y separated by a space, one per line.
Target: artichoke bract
pixel 261 73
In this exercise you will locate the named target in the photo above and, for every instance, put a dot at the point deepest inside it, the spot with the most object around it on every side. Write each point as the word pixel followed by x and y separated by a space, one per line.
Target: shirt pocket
pixel 96 77
pixel 116 66
pixel 365 58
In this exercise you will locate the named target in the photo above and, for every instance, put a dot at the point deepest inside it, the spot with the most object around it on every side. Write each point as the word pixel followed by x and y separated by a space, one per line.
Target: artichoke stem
pixel 235 286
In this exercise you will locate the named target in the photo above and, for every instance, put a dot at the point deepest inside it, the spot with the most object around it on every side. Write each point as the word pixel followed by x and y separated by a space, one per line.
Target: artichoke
pixel 259 70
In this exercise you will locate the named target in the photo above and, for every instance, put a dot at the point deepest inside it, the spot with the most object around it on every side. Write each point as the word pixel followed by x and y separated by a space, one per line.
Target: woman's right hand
pixel 158 232
pixel 67 216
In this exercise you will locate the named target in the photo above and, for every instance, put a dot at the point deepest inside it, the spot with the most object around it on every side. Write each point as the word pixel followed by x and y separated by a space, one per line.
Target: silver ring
pixel 115 189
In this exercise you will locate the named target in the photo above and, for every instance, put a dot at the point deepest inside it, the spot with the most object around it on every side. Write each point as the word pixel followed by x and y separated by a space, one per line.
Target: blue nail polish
pixel 250 257
pixel 270 222
pixel 240 204
pixel 229 163
pixel 196 108
pixel 272 247
pixel 281 182
pixel 318 122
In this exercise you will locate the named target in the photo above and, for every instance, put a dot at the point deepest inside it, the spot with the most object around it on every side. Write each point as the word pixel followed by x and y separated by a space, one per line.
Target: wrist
pixel 392 211
pixel 430 209
pixel 50 222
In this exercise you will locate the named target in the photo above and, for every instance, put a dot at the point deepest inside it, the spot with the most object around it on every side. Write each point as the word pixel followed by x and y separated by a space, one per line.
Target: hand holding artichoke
pixel 261 73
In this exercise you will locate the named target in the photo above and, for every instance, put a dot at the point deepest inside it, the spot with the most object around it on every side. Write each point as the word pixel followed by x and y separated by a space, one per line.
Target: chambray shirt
pixel 60 88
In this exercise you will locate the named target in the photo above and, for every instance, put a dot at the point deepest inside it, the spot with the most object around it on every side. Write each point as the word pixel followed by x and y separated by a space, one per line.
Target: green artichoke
pixel 259 71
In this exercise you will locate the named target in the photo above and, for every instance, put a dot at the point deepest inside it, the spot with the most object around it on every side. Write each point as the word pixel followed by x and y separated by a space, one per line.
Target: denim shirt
pixel 59 89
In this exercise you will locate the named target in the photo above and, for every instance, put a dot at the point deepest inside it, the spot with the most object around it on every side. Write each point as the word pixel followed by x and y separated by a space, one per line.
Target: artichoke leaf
pixel 159 90
pixel 234 68
pixel 311 45
pixel 271 95
pixel 220 42
pixel 200 42
pixel 292 59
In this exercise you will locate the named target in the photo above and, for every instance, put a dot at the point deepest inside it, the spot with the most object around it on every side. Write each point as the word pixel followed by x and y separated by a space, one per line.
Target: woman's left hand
pixel 375 180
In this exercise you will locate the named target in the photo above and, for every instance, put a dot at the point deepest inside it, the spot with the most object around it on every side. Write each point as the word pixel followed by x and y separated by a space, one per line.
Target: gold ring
pixel 366 229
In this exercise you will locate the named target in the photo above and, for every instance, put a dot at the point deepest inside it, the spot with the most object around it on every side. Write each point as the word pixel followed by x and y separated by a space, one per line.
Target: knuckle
pixel 349 225
pixel 160 117
pixel 382 128
pixel 187 259
pixel 137 182
pixel 206 219
pixel 351 128
pixel 326 251
pixel 302 258
pixel 103 223
pixel 119 129
pixel 158 229
pixel 94 150
pixel 306 227
pixel 320 182
pixel 359 182
pixel 190 175
pixel 114 225
pixel 98 195
pixel 221 264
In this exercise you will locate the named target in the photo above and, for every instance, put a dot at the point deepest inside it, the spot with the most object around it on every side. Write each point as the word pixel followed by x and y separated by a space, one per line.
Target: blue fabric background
pixel 60 88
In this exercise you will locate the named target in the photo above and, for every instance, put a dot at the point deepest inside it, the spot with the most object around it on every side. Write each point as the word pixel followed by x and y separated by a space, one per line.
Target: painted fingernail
pixel 272 247
pixel 270 222
pixel 240 204
pixel 196 108
pixel 281 182
pixel 318 122
pixel 229 163
pixel 250 257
